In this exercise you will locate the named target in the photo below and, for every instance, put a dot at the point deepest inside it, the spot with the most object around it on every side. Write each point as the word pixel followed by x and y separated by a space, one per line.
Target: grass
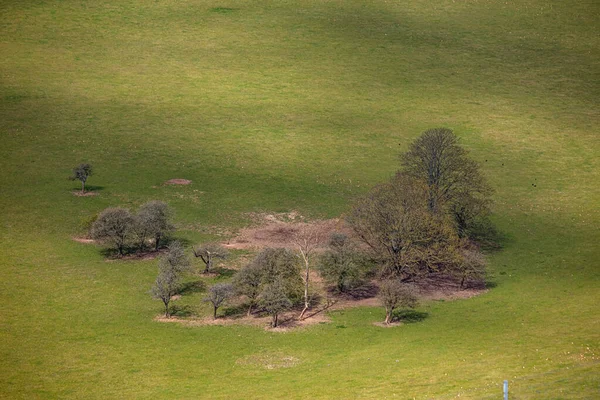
pixel 279 106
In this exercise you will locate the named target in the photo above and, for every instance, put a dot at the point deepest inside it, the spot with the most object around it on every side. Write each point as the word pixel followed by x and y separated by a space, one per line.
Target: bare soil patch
pixel 178 181
pixel 78 193
pixel 280 230
pixel 83 240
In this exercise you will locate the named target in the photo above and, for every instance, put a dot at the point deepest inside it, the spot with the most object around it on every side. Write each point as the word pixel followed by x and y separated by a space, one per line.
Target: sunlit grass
pixel 280 106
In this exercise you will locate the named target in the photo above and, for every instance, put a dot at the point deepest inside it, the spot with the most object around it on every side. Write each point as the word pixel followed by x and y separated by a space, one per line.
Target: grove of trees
pixel 427 222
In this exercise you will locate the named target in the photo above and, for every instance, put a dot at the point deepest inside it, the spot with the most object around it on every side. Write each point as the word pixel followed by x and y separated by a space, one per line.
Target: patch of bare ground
pixel 269 360
pixel 178 181
pixel 83 240
pixel 280 230
pixel 79 193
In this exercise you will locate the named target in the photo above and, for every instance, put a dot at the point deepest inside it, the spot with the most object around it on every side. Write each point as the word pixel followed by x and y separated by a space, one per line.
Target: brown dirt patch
pixel 78 193
pixel 83 240
pixel 178 181
pixel 281 230
pixel 269 360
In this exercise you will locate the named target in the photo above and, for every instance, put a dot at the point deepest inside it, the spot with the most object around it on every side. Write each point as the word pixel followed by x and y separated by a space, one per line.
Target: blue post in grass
pixel 505 390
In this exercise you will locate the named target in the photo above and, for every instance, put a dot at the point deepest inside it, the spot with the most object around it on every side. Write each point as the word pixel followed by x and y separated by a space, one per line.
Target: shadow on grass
pixel 223 273
pixel 235 311
pixel 410 316
pixel 192 287
pixel 183 310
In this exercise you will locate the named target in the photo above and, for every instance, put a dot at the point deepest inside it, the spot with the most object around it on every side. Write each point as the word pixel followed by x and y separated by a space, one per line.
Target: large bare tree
pixel 408 239
pixel 308 239
pixel 208 253
pixel 456 184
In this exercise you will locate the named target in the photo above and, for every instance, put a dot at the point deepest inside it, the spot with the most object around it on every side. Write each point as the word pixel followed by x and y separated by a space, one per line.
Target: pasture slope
pixel 273 106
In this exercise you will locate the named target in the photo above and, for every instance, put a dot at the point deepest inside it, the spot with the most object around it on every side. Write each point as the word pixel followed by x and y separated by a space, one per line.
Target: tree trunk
pixel 274 324
pixel 388 315
pixel 215 313
pixel 82 186
pixel 306 305
pixel 156 242
pixel 250 310
pixel 166 302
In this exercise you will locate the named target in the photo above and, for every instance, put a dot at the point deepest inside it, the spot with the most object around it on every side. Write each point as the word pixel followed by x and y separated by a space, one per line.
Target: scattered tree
pixel 176 257
pixel 248 282
pixel 171 266
pixel 339 265
pixel 394 294
pixel 113 225
pixel 166 286
pixel 407 238
pixel 208 253
pixel 456 185
pixel 274 300
pixel 218 294
pixel 81 173
pixel 153 221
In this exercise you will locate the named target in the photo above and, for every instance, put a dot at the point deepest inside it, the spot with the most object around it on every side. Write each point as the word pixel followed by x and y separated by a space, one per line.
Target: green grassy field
pixel 279 106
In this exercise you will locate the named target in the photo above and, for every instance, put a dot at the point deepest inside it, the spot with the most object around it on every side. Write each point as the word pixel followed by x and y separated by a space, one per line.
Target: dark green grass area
pixel 281 106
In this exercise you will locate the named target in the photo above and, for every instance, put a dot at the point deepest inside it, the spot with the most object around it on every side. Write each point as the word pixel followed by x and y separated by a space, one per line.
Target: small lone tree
pixel 339 264
pixel 248 281
pixel 274 301
pixel 113 225
pixel 153 220
pixel 81 173
pixel 208 253
pixel 218 294
pixel 393 294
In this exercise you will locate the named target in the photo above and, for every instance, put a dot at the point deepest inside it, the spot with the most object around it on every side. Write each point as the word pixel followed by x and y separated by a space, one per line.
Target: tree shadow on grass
pixel 410 316
pixel 223 273
pixel 235 311
pixel 181 310
pixel 192 287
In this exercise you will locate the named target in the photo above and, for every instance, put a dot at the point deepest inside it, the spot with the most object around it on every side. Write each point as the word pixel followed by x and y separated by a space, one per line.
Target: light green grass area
pixel 273 106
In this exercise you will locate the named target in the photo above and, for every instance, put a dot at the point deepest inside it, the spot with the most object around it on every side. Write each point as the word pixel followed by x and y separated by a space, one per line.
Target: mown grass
pixel 279 106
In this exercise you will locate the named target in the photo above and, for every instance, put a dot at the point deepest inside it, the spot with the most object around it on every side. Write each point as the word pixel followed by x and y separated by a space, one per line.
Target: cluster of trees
pixel 271 282
pixel 124 230
pixel 429 219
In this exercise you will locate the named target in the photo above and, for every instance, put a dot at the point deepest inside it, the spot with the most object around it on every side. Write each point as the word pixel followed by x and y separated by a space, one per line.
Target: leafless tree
pixel 218 294
pixel 209 252
pixel 409 240
pixel 248 282
pixel 113 225
pixel 274 300
pixel 308 239
pixel 456 184
pixel 153 220
pixel 394 294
